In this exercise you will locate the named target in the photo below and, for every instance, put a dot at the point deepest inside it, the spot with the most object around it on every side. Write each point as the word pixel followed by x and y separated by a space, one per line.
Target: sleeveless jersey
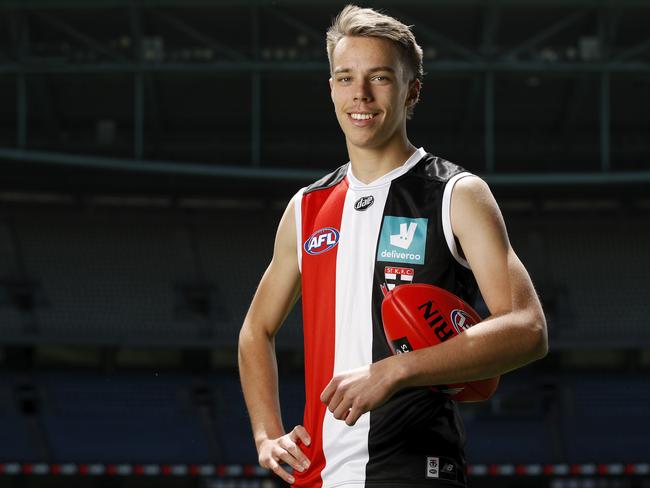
pixel 354 239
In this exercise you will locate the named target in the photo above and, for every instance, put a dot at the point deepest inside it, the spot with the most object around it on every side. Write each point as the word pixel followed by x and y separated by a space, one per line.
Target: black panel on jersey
pixel 329 180
pixel 418 425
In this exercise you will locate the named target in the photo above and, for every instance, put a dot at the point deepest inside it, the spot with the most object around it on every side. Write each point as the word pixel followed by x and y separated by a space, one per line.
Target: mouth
pixel 361 115
pixel 362 119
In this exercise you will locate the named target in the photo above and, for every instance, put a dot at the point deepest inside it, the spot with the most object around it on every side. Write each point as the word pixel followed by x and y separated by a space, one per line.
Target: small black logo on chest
pixel 363 203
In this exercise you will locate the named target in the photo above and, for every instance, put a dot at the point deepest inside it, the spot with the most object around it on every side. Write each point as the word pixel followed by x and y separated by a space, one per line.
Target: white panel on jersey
pixel 345 447
pixel 446 218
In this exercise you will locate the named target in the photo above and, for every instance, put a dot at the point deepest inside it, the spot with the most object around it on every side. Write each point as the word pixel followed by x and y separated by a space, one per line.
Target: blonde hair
pixel 366 22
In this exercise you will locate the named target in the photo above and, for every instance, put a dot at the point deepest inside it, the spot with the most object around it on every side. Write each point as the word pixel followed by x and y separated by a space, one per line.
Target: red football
pixel 419 315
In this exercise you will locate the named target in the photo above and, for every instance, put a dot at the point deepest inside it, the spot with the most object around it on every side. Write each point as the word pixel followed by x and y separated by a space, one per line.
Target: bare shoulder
pixel 474 208
pixel 472 190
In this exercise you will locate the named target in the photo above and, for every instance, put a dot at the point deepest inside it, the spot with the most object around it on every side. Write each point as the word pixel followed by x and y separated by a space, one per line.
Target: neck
pixel 369 164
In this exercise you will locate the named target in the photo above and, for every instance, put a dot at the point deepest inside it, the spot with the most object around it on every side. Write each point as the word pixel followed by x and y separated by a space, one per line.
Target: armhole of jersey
pixel 297 208
pixel 446 218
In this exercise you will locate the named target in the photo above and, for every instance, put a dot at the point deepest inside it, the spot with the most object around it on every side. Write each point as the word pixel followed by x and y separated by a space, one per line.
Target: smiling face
pixel 371 91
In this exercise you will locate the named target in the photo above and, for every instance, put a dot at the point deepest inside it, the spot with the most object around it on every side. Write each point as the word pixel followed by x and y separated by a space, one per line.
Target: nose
pixel 362 92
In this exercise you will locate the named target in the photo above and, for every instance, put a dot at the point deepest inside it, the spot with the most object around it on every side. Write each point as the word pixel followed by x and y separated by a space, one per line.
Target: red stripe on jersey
pixel 321 209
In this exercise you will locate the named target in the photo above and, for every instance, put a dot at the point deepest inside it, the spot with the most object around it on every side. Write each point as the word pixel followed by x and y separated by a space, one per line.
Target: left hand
pixel 352 393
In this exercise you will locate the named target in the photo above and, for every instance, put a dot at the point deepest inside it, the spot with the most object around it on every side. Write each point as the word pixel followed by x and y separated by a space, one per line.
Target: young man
pixel 393 212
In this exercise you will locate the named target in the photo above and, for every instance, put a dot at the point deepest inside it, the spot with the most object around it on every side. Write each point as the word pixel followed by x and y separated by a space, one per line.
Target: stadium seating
pixel 154 276
pixel 593 288
pixel 122 277
pixel 154 417
pixel 513 426
pixel 128 417
pixel 607 418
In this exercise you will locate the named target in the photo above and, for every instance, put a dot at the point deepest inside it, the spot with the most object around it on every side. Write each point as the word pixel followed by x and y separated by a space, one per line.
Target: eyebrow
pixel 371 70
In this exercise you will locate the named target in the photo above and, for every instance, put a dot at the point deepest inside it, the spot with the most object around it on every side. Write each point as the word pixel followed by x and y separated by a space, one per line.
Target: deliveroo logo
pixel 402 240
pixel 405 237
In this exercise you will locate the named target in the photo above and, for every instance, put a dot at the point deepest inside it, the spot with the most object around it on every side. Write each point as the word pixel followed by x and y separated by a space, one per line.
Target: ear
pixel 413 93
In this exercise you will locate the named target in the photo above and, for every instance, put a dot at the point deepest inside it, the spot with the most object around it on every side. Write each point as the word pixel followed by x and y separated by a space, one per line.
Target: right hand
pixel 285 449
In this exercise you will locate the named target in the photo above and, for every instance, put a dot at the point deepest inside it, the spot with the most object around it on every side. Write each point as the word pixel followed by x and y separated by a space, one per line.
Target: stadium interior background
pixel 147 151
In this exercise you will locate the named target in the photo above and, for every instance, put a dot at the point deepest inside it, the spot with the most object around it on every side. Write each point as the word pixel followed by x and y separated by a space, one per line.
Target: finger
pixel 335 399
pixel 301 433
pixel 277 469
pixel 287 458
pixel 328 392
pixel 353 415
pixel 292 455
pixel 335 403
pixel 342 410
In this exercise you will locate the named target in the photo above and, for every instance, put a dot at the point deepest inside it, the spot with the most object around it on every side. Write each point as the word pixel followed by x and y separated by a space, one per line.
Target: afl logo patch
pixel 321 241
pixel 461 320
pixel 363 203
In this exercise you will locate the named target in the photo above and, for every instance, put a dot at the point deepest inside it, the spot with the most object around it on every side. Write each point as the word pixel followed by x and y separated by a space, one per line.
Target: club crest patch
pixel 396 276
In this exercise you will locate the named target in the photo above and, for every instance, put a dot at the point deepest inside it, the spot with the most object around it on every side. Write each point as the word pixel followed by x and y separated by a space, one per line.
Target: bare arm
pixel 513 336
pixel 276 294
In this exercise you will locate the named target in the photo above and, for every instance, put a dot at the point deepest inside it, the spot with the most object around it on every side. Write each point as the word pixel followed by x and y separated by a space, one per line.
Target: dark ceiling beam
pixel 301 26
pixel 135 22
pixel 576 94
pixel 255 146
pixel 28 4
pixel 574 99
pixel 41 94
pixel 545 34
pixel 488 49
pixel 472 105
pixel 196 35
pixel 607 28
pixel 450 67
pixel 284 174
pixel 426 33
pixel 633 51
pixel 6 31
pixel 490 30
pixel 613 14
pixel 155 114
pixel 76 34
pixel 160 167
pixel 12 19
pixel 20 33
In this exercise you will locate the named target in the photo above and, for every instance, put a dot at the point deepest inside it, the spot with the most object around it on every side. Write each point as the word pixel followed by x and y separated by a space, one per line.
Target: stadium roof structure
pixel 210 94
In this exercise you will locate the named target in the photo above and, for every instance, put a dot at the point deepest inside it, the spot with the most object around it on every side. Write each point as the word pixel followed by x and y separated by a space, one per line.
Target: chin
pixel 360 141
pixel 370 141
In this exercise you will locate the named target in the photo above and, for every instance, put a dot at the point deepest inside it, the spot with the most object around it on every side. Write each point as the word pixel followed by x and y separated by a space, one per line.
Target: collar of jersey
pixel 354 183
